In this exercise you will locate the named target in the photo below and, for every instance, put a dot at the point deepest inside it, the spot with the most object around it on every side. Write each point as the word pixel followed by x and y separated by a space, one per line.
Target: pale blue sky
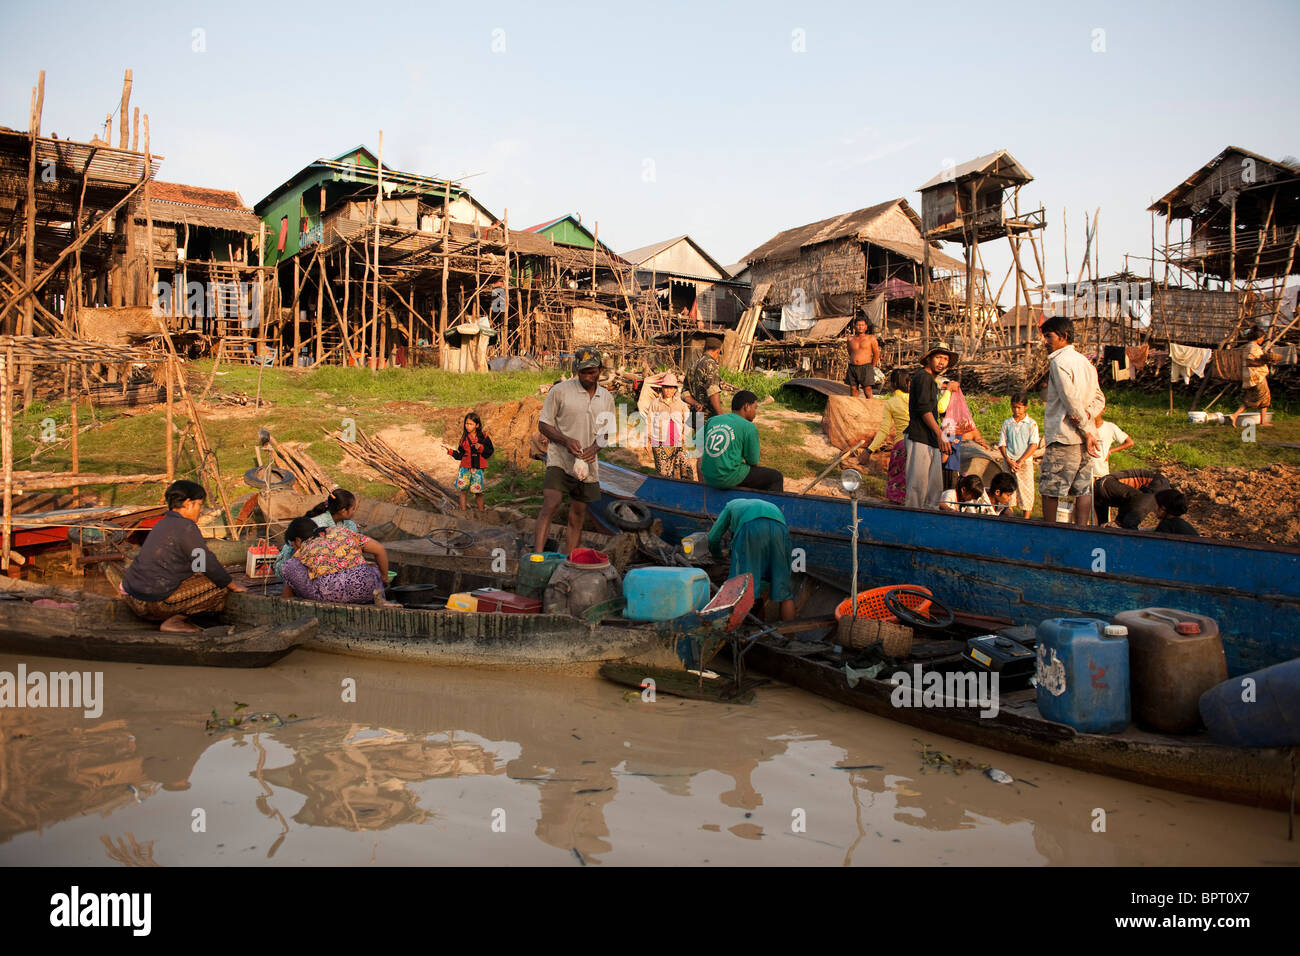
pixel 746 135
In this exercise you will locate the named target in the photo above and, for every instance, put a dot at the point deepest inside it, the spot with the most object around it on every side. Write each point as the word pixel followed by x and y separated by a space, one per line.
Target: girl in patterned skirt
pixel 474 450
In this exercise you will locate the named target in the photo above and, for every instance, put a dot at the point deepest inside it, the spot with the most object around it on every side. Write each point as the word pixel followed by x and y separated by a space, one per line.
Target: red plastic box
pixel 492 601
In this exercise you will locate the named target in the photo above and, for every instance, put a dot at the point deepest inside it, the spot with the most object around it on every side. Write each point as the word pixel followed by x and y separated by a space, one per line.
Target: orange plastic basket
pixel 872 603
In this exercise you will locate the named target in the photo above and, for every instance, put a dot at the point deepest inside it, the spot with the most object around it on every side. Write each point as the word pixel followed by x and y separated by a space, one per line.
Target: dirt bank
pixel 1244 504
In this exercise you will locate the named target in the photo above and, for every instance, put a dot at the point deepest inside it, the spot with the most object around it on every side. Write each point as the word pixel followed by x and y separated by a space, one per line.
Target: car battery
pixel 1011 660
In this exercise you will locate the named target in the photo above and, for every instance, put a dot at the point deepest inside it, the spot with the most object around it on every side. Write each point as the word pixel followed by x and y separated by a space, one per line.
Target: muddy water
pixel 432 766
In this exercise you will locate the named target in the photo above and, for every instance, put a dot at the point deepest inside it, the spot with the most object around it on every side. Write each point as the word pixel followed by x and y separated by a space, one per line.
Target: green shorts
pixel 762 548
pixel 557 479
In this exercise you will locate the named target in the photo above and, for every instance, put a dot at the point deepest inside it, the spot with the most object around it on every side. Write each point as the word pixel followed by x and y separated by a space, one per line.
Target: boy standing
pixel 1017 442
pixel 924 440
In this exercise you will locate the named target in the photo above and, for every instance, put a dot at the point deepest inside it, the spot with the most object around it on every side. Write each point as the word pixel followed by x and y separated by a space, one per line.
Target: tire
pixel 280 479
pixel 629 515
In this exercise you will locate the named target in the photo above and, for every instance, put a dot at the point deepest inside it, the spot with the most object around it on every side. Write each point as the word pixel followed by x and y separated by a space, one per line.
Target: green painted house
pixel 569 231
pixel 296 212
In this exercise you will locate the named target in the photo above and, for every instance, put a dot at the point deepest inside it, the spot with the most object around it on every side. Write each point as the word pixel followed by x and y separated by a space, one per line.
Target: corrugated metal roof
pixel 980 165
pixel 637 256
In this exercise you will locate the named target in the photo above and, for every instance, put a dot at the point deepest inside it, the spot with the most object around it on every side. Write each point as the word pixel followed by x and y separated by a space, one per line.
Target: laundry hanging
pixel 1186 361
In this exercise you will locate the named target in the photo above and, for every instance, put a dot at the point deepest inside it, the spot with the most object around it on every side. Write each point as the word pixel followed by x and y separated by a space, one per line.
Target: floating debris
pixel 219 723
pixel 998 776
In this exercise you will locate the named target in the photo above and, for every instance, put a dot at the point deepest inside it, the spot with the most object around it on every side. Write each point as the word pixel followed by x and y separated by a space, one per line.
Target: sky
pixel 727 121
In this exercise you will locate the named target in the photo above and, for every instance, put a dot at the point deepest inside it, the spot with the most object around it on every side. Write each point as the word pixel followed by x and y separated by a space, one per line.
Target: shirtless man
pixel 864 353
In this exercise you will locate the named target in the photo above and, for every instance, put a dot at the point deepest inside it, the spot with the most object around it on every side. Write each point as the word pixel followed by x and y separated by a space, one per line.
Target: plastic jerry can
pixel 1262 713
pixel 1082 673
pixel 696 545
pixel 994 652
pixel 463 601
pixel 493 601
pixel 1174 657
pixel 535 572
pixel 662 594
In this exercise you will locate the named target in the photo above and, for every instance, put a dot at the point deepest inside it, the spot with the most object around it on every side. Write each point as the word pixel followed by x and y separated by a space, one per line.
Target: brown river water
pixel 452 766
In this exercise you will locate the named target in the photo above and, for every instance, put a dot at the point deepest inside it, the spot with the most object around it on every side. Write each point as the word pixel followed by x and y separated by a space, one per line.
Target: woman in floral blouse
pixel 328 564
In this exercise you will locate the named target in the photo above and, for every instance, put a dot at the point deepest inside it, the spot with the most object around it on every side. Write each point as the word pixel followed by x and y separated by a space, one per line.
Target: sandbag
pixel 849 419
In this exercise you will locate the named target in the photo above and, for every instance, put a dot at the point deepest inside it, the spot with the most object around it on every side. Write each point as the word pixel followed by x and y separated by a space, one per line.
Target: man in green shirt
pixel 730 450
pixel 760 545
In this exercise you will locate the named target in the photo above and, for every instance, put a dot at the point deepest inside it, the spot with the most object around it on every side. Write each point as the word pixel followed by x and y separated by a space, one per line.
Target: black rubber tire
pixel 936 621
pixel 280 479
pixel 629 515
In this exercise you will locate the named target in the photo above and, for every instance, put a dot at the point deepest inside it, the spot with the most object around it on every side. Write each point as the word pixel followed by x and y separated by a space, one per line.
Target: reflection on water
pixel 442 766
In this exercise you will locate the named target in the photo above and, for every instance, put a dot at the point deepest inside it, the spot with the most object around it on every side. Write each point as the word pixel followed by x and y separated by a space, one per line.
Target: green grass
pixel 1159 436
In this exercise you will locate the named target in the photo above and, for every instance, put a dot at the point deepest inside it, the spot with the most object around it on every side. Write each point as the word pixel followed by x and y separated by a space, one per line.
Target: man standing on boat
pixel 924 440
pixel 760 545
pixel 1074 400
pixel 577 418
pixel 864 355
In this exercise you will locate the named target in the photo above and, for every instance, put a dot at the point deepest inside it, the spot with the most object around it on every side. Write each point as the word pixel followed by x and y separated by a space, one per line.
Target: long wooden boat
pixel 1259 777
pixel 1023 571
pixel 452 638
pixel 93 627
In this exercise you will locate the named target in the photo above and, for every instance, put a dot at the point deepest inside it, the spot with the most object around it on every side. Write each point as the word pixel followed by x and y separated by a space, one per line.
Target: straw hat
pixel 941 347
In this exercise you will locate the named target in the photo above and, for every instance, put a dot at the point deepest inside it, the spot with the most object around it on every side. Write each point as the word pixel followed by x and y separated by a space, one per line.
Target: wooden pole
pixel 297 332
pixel 135 131
pixel 75 395
pixel 125 110
pixel 379 201
pixel 320 305
pixel 7 444
pixel 171 454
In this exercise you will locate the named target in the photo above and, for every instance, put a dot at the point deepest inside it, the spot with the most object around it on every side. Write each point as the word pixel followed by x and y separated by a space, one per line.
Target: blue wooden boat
pixel 1021 571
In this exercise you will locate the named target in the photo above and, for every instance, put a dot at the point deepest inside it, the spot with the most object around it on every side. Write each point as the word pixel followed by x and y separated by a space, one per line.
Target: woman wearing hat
pixel 924 439
pixel 667 416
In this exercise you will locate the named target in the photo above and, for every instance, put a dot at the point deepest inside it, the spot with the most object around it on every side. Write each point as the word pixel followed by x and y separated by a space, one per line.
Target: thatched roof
pixel 1181 198
pixel 860 226
pixel 199 206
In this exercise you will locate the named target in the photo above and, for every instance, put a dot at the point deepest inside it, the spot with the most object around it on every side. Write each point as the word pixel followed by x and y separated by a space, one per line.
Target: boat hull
pixel 450 638
pixel 1021 571
pixel 103 629
pixel 1257 777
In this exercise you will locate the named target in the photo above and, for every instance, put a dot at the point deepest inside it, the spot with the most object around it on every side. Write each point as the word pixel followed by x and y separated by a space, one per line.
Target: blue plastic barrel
pixel 1259 709
pixel 1082 673
pixel 661 594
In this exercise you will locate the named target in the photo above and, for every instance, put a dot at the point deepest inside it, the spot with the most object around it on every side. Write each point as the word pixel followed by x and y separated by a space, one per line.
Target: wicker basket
pixel 860 633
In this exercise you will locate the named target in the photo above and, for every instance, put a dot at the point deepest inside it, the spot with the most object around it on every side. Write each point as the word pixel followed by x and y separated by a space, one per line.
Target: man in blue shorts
pixel 760 545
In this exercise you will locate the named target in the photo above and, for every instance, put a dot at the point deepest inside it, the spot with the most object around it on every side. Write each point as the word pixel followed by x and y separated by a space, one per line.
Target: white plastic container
pixel 1196 418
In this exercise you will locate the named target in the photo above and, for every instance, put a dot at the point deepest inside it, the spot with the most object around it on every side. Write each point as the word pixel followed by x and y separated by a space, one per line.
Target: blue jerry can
pixel 1082 673
pixel 662 594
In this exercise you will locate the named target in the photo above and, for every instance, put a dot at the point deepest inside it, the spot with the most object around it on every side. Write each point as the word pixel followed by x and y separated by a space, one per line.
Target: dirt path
pixel 1244 504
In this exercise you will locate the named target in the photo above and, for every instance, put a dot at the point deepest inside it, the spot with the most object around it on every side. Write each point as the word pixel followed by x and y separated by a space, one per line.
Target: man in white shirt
pixel 1074 399
pixel 577 418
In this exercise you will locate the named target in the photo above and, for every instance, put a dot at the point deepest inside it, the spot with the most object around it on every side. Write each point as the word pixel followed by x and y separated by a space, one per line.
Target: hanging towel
pixel 1137 356
pixel 1186 361
pixel 1116 354
pixel 1120 373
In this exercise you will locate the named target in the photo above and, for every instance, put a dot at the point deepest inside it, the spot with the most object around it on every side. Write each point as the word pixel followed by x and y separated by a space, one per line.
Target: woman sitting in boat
pixel 161 584
pixel 337 509
pixel 328 564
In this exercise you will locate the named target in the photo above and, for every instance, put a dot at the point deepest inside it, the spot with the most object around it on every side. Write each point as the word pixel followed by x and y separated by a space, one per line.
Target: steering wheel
pixel 449 538
pixel 940 617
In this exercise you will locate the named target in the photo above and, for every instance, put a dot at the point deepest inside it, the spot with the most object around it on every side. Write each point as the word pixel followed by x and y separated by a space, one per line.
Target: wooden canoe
pixel 100 628
pixel 453 638
pixel 1257 777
